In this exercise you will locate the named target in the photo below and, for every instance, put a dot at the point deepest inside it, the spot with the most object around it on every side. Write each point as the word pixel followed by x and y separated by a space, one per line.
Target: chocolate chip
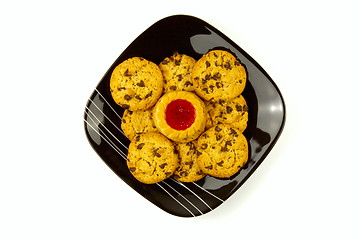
pixel 138 97
pixel 221 101
pixel 228 109
pixel 212 88
pixel 137 138
pixel 162 165
pixel 218 129
pixel 127 97
pixel 132 169
pixel 237 63
pixel 191 146
pixel 126 73
pixel 228 143
pixel 130 112
pixel 188 84
pixel 199 172
pixel 189 163
pixel 215 55
pixel 205 136
pixel 141 83
pixel 196 78
pixel 239 108
pixel 165 61
pixel 233 132
pixel 207 77
pixel 168 174
pixel 198 153
pixel 216 76
pixel 204 146
pixel 245 108
pixel 177 62
pixel 206 90
pixel 219 84
pixel 209 167
pixel 227 66
pixel 207 64
pixel 180 77
pixel 148 95
pixel 173 88
pixel 224 149
pixel 184 174
pixel 218 137
pixel 175 150
pixel 125 106
pixel 156 154
pixel 220 163
pixel 123 120
pixel 121 88
pixel 140 146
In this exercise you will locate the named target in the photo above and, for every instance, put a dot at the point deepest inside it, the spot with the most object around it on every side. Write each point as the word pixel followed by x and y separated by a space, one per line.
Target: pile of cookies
pixel 185 118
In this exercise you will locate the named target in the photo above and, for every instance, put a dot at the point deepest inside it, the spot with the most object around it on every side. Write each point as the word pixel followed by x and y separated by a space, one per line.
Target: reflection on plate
pixel 194 37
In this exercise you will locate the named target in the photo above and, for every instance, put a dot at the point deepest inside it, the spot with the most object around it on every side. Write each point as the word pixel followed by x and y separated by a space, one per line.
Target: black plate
pixel 194 37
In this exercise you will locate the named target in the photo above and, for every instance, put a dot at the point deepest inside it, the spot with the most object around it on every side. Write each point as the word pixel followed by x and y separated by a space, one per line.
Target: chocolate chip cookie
pixel 152 158
pixel 138 122
pixel 188 170
pixel 136 84
pixel 176 71
pixel 218 75
pixel 234 112
pixel 222 151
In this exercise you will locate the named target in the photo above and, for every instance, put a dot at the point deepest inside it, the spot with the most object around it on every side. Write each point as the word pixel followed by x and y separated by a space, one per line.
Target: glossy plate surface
pixel 194 37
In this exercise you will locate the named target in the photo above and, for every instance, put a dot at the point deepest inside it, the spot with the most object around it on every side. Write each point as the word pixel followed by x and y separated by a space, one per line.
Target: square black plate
pixel 194 37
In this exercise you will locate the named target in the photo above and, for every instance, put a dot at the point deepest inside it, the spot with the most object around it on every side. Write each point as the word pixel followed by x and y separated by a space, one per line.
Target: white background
pixel 54 186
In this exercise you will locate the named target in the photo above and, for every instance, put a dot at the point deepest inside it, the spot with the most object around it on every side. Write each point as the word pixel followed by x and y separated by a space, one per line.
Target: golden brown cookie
pixel 134 123
pixel 188 170
pixel 218 75
pixel 180 116
pixel 152 158
pixel 176 71
pixel 234 112
pixel 136 84
pixel 222 151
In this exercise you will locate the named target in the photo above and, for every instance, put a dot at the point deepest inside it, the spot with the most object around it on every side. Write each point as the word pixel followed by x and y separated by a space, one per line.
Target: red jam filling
pixel 180 114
